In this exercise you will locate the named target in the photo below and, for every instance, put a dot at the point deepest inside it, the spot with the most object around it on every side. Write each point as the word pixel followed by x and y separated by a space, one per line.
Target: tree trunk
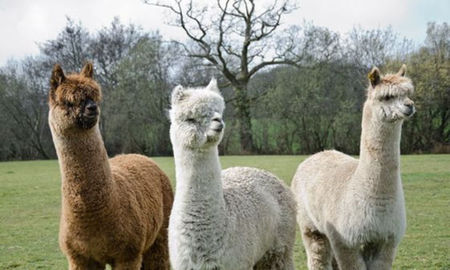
pixel 242 105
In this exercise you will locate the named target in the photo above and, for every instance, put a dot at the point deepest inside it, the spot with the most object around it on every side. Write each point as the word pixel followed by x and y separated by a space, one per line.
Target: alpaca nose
pixel 218 124
pixel 409 103
pixel 410 107
pixel 91 106
pixel 219 127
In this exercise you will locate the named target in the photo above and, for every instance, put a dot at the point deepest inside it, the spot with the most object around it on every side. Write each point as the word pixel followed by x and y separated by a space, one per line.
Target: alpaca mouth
pixel 218 127
pixel 87 121
pixel 215 132
pixel 410 113
pixel 90 115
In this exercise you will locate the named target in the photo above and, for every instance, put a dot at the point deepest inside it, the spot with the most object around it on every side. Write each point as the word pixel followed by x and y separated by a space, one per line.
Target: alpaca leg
pixel 263 263
pixel 348 258
pixel 81 263
pixel 383 259
pixel 318 249
pixel 288 260
pixel 157 257
pixel 334 264
pixel 129 265
pixel 276 261
pixel 285 261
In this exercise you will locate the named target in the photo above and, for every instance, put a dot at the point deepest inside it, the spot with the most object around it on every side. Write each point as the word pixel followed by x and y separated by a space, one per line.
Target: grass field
pixel 30 205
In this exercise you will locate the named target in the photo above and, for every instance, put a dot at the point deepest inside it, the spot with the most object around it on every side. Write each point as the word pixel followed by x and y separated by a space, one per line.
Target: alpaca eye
pixel 387 98
pixel 190 120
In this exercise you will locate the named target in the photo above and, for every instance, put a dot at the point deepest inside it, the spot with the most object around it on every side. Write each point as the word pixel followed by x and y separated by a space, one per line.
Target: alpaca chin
pixel 87 122
pixel 214 137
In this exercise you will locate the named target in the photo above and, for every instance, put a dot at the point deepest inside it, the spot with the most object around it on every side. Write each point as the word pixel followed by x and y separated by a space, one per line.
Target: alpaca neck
pixel 379 161
pixel 199 190
pixel 86 175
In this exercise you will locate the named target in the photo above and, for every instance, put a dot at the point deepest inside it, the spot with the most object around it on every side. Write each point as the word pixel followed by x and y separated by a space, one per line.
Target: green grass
pixel 30 207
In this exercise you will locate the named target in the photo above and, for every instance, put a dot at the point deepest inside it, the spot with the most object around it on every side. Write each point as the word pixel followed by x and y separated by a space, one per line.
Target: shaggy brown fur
pixel 113 211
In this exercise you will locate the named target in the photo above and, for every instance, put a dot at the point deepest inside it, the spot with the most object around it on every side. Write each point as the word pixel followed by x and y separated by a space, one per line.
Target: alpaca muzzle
pixel 89 115
pixel 218 127
pixel 217 124
pixel 410 110
pixel 90 108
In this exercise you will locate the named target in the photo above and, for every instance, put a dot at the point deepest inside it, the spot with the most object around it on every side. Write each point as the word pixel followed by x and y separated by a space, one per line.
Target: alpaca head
pixel 196 117
pixel 388 96
pixel 73 100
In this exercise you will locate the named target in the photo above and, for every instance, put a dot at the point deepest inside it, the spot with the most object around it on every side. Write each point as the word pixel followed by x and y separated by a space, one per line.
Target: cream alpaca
pixel 354 209
pixel 113 211
pixel 234 219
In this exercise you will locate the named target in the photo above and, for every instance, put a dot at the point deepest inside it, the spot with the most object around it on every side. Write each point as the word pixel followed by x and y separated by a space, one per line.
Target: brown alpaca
pixel 114 211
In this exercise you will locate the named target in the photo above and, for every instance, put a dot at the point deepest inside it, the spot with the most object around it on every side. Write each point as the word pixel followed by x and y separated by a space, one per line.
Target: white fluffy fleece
pixel 354 209
pixel 239 218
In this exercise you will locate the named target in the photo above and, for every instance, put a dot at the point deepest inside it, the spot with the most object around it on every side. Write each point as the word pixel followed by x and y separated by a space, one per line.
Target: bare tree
pixel 375 47
pixel 239 38
pixel 23 101
pixel 70 47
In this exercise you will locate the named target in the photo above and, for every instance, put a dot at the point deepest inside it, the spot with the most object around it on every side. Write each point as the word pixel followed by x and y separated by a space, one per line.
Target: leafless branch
pixel 236 18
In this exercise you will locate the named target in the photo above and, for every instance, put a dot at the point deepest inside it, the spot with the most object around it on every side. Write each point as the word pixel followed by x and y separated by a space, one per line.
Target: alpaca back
pixel 320 183
pixel 144 192
pixel 261 211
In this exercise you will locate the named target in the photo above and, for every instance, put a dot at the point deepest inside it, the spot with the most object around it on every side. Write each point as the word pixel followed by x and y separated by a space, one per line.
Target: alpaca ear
pixel 178 94
pixel 402 71
pixel 374 77
pixel 57 78
pixel 212 86
pixel 88 70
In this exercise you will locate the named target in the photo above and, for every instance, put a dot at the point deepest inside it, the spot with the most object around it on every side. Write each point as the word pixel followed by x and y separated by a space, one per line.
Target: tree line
pixel 298 93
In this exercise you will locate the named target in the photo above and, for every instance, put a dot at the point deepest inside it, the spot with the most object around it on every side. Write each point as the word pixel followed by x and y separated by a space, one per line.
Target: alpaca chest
pixel 377 220
pixel 102 241
pixel 195 240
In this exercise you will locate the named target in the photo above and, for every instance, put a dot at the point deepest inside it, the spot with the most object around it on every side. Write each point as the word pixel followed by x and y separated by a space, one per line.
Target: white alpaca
pixel 354 209
pixel 239 218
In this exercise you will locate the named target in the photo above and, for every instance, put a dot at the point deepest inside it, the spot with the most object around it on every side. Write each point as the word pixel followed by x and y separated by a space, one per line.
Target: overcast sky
pixel 25 23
